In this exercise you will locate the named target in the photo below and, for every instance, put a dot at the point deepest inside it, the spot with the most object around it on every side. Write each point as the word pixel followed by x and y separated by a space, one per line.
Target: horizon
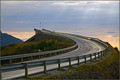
pixel 99 19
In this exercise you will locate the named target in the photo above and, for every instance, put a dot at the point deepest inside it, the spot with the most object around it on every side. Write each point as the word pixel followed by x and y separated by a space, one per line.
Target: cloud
pixel 22 35
pixel 102 2
pixel 70 3
pixel 74 3
pixel 111 32
pixel 109 36
pixel 20 21
pixel 114 41
pixel 84 3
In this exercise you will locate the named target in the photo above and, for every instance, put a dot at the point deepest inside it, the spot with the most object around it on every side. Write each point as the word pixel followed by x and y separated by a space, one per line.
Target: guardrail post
pixel 95 56
pixel 10 61
pixel 78 60
pixel 101 54
pixel 21 59
pixel 85 58
pixel 98 55
pixel 90 56
pixel 58 63
pixel 44 66
pixel 26 70
pixel 69 61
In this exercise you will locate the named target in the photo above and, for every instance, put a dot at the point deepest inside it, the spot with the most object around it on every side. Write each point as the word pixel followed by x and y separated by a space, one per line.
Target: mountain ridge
pixel 7 39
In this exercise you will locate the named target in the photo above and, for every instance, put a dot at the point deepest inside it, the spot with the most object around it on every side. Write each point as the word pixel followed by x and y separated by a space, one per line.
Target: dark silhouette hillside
pixel 7 39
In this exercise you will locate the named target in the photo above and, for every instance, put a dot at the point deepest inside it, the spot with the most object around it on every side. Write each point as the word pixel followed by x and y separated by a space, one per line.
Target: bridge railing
pixel 46 63
pixel 36 54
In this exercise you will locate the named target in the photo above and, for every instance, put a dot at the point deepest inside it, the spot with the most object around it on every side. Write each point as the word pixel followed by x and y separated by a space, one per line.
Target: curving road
pixel 84 47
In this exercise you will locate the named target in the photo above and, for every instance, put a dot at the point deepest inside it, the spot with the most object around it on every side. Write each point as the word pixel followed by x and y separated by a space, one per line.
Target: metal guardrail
pixel 45 63
pixel 35 54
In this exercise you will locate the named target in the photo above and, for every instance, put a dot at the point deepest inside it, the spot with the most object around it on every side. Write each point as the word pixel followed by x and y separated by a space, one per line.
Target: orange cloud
pixel 22 35
pixel 114 41
pixel 109 36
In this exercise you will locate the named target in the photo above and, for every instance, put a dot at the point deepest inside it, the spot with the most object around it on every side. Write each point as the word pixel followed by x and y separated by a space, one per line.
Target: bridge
pixel 85 49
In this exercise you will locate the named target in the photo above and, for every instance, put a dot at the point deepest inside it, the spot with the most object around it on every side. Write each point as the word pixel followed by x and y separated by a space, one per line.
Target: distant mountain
pixel 7 39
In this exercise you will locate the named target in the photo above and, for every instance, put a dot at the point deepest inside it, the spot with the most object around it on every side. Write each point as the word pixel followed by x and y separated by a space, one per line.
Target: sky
pixel 99 19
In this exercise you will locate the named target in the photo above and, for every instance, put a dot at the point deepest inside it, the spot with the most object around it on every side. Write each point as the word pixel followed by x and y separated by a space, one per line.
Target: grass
pixel 30 47
pixel 103 69
pixel 61 69
pixel 42 36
